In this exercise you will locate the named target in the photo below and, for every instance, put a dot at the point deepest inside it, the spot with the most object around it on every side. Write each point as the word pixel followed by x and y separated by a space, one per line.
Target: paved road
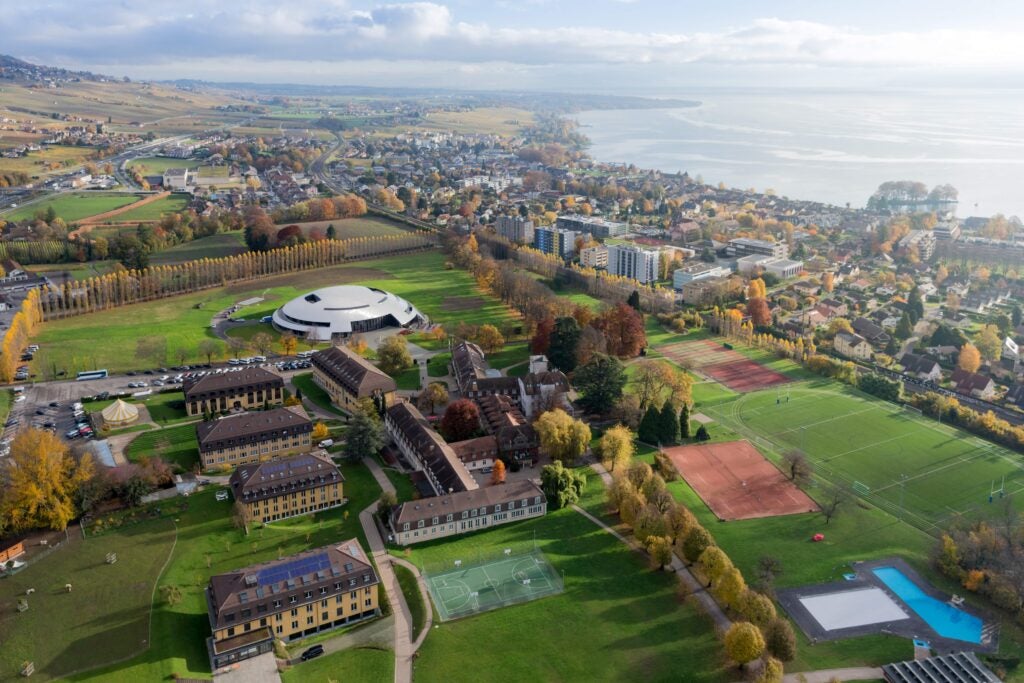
pixel 404 648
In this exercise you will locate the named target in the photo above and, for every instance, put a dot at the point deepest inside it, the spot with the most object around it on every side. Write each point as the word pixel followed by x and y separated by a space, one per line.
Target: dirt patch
pixel 736 482
pixel 100 217
pixel 456 304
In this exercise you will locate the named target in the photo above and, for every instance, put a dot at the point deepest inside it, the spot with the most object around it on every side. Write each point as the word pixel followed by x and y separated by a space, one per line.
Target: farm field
pixel 883 452
pixel 207 535
pixel 108 339
pixel 630 615
pixel 157 165
pixel 497 120
pixel 154 210
pixel 35 163
pixel 104 617
pixel 76 205
pixel 364 226
pixel 215 246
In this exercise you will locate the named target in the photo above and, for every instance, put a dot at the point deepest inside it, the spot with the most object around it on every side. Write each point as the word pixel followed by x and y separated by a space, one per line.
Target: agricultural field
pixel 75 206
pixel 631 617
pixel 208 543
pixel 154 210
pixel 105 617
pixel 215 246
pixel 108 339
pixel 911 466
pixel 345 228
pixel 505 121
pixel 157 165
pixel 37 163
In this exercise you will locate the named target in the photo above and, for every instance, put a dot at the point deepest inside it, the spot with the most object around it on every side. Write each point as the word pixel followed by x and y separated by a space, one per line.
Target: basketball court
pixel 464 589
pixel 727 366
pixel 736 482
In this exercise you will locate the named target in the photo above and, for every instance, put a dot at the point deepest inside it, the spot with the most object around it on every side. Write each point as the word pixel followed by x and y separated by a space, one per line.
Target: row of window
pixel 467 514
pixel 324 616
pixel 470 524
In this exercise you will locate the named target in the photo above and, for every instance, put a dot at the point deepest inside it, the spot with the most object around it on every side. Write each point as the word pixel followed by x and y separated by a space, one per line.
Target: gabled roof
pixel 229 381
pixel 455 503
pixel 912 362
pixel 249 426
pixel 284 475
pixel 436 454
pixel 968 382
pixel 357 375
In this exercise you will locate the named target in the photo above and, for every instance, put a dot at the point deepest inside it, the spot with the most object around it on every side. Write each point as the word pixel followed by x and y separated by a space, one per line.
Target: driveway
pixel 261 669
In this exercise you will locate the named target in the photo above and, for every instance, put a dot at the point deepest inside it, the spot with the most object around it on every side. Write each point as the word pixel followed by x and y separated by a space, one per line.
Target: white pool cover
pixel 847 609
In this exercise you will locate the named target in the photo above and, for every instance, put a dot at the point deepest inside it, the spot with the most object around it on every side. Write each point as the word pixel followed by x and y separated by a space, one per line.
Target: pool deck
pixel 911 627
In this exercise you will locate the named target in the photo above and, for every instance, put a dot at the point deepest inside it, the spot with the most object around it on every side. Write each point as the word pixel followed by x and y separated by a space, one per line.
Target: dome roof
pixel 344 309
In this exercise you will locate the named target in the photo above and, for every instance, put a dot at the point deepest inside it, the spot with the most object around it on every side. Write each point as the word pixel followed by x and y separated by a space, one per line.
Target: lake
pixel 834 147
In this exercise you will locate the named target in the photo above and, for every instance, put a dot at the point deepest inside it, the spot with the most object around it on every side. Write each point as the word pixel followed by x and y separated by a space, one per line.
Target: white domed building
pixel 338 312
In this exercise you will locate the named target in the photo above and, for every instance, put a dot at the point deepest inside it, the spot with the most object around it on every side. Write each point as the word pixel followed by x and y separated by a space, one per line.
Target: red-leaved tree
pixel 461 420
pixel 542 337
pixel 757 309
pixel 623 327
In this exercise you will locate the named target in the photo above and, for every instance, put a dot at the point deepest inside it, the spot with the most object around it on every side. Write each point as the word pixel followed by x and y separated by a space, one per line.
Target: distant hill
pixel 18 70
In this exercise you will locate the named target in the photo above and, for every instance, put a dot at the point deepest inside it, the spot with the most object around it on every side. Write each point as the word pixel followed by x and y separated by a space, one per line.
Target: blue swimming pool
pixel 946 620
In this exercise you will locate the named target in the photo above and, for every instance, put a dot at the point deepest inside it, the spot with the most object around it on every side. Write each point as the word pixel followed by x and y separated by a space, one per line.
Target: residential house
pixel 871 331
pixel 921 367
pixel 974 384
pixel 347 377
pixel 246 389
pixel 459 513
pixel 288 487
pixel 298 596
pixel 250 438
pixel 853 346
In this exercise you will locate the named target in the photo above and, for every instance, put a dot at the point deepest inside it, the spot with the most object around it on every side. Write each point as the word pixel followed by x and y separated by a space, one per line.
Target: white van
pixel 326 443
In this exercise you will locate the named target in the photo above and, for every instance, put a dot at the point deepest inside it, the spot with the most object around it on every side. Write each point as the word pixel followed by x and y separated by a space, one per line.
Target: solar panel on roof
pixel 294 569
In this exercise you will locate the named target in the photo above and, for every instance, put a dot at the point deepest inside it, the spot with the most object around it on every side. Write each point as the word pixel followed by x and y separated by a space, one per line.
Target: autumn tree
pixel 435 394
pixel 616 448
pixel 41 482
pixel 772 671
pixel 757 309
pixel 731 588
pixel 828 282
pixel 655 380
pixel 320 431
pixel 838 325
pixel 461 420
pixel 758 608
pixel 743 642
pixel 715 564
pixel 262 342
pixel 541 339
pixel 288 344
pixel 969 359
pixel 660 550
pixel 989 343
pixel 600 383
pixel 757 289
pixel 561 436
pixel 780 639
pixel 623 327
pixel 498 473
pixel 393 355
pixel 490 338
pixel 697 540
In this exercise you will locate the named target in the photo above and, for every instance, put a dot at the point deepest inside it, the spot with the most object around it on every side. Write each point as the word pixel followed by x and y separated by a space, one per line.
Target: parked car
pixel 326 443
pixel 312 652
pixel 221 495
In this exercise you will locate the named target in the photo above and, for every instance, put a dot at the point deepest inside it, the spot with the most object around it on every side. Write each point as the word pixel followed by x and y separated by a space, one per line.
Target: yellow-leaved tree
pixel 41 482
pixel 970 358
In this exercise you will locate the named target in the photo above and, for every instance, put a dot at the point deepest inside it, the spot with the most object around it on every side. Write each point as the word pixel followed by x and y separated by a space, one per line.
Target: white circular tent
pixel 337 312
pixel 119 414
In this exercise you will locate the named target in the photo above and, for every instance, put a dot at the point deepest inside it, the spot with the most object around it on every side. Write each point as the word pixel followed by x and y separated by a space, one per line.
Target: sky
pixel 629 46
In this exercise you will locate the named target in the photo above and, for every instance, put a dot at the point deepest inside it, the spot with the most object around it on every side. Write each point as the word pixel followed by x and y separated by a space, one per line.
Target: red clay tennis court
pixel 736 482
pixel 729 367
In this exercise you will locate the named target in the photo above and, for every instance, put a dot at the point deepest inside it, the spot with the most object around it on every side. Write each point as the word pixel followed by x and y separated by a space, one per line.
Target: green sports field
pixel 76 205
pixel 907 464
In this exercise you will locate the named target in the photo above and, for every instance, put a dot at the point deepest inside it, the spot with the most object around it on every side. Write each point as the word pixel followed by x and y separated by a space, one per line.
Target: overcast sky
pixel 592 45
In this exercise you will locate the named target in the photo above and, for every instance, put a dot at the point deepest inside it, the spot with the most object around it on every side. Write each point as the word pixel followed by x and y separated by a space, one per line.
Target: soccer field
pixel 465 590
pixel 905 463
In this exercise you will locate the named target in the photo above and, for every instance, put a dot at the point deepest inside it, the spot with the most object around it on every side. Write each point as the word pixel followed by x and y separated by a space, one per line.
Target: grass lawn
pixel 76 205
pixel 404 489
pixel 413 598
pixel 208 544
pixel 6 398
pixel 437 366
pixel 364 226
pixel 616 620
pixel 877 449
pixel 104 617
pixel 65 155
pixel 107 339
pixel 511 354
pixel 408 379
pixel 157 165
pixel 164 408
pixel 215 246
pixel 154 210
pixel 358 665
pixel 176 445
pixel 314 394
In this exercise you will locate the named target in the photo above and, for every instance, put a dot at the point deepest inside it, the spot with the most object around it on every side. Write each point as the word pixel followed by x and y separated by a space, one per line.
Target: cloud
pixel 246 36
